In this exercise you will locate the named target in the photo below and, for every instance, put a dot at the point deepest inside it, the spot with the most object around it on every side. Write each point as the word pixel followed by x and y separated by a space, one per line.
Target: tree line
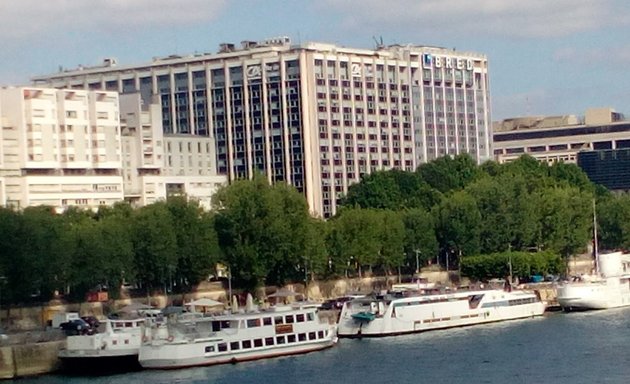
pixel 444 212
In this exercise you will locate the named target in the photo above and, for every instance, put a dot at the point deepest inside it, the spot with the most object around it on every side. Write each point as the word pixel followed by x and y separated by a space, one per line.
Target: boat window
pixel 251 323
pixel 473 301
pixel 247 344
pixel 216 326
pixel 222 347
pixel 289 319
pixel 299 318
pixel 320 334
pixel 312 336
pixel 279 339
pixel 311 316
pixel 302 337
pixel 290 338
pixel 269 341
pixel 266 320
pixel 210 348
pixel 234 346
pixel 279 320
pixel 258 343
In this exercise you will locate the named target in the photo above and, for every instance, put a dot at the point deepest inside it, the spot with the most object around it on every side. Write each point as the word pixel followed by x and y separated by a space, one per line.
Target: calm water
pixel 589 347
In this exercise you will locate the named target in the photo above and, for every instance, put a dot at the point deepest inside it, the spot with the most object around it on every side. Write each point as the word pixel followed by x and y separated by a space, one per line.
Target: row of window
pixel 267 342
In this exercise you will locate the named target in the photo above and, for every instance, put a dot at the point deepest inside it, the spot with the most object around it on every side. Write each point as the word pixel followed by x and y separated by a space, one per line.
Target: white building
pixel 156 165
pixel 317 116
pixel 60 148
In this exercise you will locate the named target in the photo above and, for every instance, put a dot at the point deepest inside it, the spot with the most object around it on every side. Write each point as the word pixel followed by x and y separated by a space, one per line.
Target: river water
pixel 587 347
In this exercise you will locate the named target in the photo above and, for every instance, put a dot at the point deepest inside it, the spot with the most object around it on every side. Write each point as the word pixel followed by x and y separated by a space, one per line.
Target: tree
pixel 155 245
pixel 457 224
pixel 354 240
pixel 420 240
pixel 197 245
pixel 392 239
pixel 613 221
pixel 262 231
pixel 566 215
pixel 447 174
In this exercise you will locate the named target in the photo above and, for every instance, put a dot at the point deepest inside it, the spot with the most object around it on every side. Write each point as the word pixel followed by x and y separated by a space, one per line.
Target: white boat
pixel 234 337
pixel 387 315
pixel 116 347
pixel 608 287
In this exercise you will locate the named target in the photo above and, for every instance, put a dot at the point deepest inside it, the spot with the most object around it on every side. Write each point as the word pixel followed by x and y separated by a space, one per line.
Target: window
pixel 289 319
pixel 266 320
pixel 302 337
pixel 291 339
pixel 312 336
pixel 299 318
pixel 269 341
pixel 258 342
pixel 279 339
pixel 234 346
pixel 251 323
pixel 222 347
pixel 210 348
pixel 247 344
pixel 279 320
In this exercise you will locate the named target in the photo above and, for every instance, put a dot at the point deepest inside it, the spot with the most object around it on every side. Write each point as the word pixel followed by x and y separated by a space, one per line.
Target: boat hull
pixel 593 296
pixel 179 356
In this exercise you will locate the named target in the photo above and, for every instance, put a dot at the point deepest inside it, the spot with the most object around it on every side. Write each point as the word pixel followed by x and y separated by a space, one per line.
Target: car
pixel 92 321
pixel 75 327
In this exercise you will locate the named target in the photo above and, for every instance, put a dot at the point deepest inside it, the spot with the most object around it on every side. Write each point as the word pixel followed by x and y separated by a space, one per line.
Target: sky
pixel 546 57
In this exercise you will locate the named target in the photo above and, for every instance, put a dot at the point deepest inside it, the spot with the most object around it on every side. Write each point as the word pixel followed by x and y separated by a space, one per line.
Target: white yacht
pixel 234 337
pixel 394 314
pixel 116 347
pixel 608 287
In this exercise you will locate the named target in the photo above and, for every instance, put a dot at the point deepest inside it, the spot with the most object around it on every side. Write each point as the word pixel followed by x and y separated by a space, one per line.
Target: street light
pixel 417 261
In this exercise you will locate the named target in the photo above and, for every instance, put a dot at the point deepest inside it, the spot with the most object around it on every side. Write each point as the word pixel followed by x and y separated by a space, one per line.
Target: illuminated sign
pixel 254 72
pixel 448 62
pixel 355 69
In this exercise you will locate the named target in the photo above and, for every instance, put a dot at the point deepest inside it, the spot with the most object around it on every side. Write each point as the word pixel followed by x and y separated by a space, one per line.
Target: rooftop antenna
pixel 379 42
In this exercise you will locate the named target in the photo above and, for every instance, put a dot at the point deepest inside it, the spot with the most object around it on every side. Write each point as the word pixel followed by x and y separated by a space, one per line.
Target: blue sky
pixel 547 57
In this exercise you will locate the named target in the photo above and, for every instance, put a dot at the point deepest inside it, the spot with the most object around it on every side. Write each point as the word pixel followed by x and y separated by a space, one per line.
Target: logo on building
pixel 355 70
pixel 254 72
pixel 448 62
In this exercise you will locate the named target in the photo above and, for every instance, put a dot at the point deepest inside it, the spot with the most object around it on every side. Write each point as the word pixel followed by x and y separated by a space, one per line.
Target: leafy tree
pixel 262 231
pixel 197 244
pixel 155 245
pixel 497 265
pixel 354 240
pixel 613 221
pixel 458 223
pixel 419 236
pixel 447 174
pixel 392 240
pixel 566 220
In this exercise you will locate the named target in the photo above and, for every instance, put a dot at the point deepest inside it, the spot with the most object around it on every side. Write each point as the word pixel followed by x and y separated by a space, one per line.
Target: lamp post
pixel 417 261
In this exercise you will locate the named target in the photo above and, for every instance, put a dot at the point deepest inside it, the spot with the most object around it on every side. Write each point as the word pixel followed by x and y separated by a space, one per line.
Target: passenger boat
pixel 394 313
pixel 235 337
pixel 608 287
pixel 116 347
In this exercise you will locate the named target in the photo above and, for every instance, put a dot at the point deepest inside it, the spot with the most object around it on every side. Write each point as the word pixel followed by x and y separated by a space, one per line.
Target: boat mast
pixel 595 247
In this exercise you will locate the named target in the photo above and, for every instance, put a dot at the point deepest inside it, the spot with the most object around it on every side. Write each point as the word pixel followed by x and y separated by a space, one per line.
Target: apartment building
pixel 60 148
pixel 317 116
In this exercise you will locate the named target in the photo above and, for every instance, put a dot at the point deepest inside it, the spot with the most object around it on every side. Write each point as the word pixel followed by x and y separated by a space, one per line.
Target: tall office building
pixel 317 116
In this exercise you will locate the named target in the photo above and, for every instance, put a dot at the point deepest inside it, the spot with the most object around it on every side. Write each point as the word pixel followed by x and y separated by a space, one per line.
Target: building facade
pixel 156 165
pixel 608 167
pixel 60 148
pixel 317 116
pixel 560 138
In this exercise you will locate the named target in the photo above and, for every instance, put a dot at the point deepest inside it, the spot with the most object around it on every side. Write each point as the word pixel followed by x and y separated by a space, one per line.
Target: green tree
pixel 155 245
pixel 354 241
pixel 447 174
pixel 420 240
pixel 458 223
pixel 392 239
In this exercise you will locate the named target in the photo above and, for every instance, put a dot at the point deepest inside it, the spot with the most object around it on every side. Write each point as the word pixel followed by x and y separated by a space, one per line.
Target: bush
pixel 524 264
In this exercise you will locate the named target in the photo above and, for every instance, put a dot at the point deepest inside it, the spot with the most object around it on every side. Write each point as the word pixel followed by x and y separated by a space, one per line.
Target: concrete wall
pixel 29 359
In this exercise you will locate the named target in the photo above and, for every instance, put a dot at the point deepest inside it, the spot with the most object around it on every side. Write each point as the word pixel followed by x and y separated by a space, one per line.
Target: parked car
pixel 92 321
pixel 76 327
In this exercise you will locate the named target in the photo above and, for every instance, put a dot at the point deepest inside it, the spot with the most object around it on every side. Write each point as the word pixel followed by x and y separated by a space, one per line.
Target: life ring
pixel 170 338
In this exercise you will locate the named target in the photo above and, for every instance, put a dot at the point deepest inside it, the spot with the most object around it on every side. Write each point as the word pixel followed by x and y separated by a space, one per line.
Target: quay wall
pixel 29 359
